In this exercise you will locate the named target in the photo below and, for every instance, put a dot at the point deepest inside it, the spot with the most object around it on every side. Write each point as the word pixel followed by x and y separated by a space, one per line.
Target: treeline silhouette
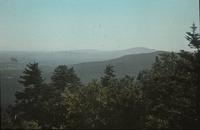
pixel 165 96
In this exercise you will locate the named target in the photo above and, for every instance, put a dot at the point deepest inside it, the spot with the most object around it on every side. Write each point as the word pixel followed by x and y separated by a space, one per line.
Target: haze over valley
pixel 88 64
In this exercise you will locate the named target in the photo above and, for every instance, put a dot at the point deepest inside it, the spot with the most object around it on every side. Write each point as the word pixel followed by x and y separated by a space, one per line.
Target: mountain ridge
pixel 128 64
pixel 69 57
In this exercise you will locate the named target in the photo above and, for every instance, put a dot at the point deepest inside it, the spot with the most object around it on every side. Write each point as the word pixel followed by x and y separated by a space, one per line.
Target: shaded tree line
pixel 165 96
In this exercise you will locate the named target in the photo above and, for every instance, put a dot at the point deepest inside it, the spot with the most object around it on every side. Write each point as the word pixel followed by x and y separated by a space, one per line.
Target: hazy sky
pixel 95 24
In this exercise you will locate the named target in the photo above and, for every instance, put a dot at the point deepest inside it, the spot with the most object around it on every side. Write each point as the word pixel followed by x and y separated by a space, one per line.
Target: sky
pixel 54 25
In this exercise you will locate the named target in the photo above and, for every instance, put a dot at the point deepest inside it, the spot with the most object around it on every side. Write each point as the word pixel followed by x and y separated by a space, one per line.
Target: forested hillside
pixel 126 65
pixel 129 64
pixel 165 96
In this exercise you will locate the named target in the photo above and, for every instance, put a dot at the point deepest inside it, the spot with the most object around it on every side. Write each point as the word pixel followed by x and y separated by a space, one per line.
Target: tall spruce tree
pixel 191 65
pixel 31 76
pixel 108 77
pixel 26 107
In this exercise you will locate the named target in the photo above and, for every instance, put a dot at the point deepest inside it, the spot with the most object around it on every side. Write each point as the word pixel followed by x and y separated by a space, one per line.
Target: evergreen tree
pixel 31 76
pixel 171 88
pixel 64 77
pixel 64 81
pixel 74 80
pixel 191 65
pixel 109 76
pixel 193 38
pixel 26 107
pixel 122 105
pixel 160 88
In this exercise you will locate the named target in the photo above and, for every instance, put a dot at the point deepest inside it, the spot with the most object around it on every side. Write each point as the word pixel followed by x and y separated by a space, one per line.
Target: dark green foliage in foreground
pixel 172 89
pixel 27 106
pixel 192 65
pixel 166 96
pixel 53 101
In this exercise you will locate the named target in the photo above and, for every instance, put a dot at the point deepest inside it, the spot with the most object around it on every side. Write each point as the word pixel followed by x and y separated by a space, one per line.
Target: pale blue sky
pixel 95 24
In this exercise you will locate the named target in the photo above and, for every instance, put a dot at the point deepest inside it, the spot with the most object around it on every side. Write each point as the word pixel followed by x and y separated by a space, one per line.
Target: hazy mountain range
pixel 88 64
pixel 68 57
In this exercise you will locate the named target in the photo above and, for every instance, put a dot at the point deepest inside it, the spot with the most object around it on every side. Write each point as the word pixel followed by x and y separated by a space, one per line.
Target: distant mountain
pixel 136 50
pixel 68 57
pixel 125 65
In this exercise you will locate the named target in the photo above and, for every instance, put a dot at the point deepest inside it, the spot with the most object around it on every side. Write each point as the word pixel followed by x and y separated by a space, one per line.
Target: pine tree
pixel 109 76
pixel 31 76
pixel 192 65
pixel 73 78
pixel 64 80
pixel 193 38
pixel 26 107
pixel 64 77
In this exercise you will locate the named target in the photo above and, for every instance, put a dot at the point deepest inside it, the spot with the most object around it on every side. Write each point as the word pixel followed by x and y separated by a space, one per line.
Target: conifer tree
pixel 171 88
pixel 108 77
pixel 26 107
pixel 193 38
pixel 31 76
pixel 192 65
pixel 64 77
pixel 64 81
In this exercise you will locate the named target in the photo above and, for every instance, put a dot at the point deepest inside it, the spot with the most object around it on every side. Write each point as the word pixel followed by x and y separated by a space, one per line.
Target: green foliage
pixel 52 102
pixel 31 76
pixel 30 125
pixel 109 76
pixel 192 66
pixel 123 105
pixel 27 107
pixel 94 106
pixel 171 89
pixel 166 96
pixel 160 88
pixel 64 77
pixel 193 38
